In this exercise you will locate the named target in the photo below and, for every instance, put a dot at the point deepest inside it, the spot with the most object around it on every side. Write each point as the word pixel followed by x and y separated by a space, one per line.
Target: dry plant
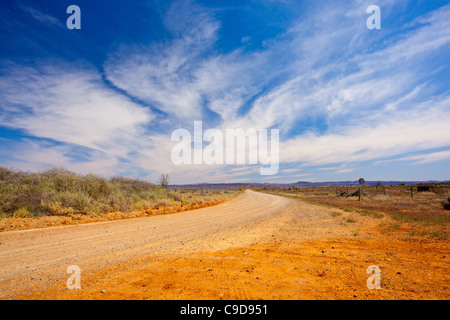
pixel 426 208
pixel 59 192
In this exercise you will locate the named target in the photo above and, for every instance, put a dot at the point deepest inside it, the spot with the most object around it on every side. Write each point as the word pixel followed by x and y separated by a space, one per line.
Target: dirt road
pixel 256 246
pixel 39 257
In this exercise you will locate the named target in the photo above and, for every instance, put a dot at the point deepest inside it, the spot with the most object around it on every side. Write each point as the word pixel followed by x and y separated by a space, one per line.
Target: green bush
pixel 58 191
pixel 446 204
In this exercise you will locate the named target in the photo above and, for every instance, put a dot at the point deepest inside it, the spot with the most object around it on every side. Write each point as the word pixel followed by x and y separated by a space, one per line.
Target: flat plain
pixel 255 246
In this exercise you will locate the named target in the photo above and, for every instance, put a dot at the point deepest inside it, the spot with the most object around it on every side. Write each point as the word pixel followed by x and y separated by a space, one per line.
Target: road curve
pixel 33 257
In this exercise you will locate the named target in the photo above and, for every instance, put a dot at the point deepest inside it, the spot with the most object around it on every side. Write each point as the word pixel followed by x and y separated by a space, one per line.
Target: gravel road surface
pixel 39 257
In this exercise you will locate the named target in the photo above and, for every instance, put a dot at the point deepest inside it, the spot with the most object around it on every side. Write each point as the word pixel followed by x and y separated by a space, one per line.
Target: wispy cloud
pixel 345 170
pixel 420 128
pixel 64 103
pixel 71 106
pixel 339 93
pixel 422 158
pixel 290 170
pixel 36 155
pixel 42 17
pixel 161 74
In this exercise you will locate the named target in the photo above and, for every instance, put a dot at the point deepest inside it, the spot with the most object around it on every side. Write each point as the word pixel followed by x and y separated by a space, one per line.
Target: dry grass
pixel 424 208
pixel 59 192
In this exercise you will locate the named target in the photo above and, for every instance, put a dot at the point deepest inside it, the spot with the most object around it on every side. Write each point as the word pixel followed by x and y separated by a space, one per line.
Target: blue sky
pixel 349 102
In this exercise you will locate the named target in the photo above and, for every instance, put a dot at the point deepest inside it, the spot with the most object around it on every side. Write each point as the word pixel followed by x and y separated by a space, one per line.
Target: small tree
pixel 377 184
pixel 164 181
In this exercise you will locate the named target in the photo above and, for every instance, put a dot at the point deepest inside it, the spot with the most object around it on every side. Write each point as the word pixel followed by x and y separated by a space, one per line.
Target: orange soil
pixel 13 223
pixel 283 268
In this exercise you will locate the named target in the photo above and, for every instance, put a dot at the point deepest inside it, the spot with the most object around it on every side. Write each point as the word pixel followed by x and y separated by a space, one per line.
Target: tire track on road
pixel 47 252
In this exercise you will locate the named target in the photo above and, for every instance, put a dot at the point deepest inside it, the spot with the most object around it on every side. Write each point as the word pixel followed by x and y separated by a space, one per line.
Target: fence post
pixel 361 182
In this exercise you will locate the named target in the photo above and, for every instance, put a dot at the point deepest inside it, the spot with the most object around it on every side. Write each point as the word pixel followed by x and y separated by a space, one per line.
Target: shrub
pixel 142 205
pixel 351 194
pixel 446 204
pixel 58 191
pixel 56 208
pixel 22 213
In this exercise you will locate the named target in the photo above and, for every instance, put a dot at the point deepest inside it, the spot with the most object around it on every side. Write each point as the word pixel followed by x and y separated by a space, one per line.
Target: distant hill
pixel 299 184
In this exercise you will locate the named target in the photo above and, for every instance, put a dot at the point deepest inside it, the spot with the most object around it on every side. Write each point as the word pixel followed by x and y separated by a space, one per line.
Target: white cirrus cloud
pixel 422 128
pixel 339 93
pixel 69 104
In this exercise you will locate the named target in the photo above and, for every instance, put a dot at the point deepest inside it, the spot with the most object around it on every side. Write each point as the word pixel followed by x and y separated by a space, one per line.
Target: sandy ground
pixel 257 246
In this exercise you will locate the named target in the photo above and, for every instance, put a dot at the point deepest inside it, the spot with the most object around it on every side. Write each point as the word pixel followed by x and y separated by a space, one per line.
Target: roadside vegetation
pixel 59 192
pixel 405 205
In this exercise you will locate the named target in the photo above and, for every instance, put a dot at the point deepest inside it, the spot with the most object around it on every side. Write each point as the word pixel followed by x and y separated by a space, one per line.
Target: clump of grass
pixel 425 218
pixel 440 235
pixel 366 212
pixel 335 213
pixel 56 208
pixel 350 220
pixel 437 234
pixel 394 225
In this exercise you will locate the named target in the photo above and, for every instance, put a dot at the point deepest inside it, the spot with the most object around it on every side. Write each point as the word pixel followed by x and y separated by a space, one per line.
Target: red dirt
pixel 328 264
